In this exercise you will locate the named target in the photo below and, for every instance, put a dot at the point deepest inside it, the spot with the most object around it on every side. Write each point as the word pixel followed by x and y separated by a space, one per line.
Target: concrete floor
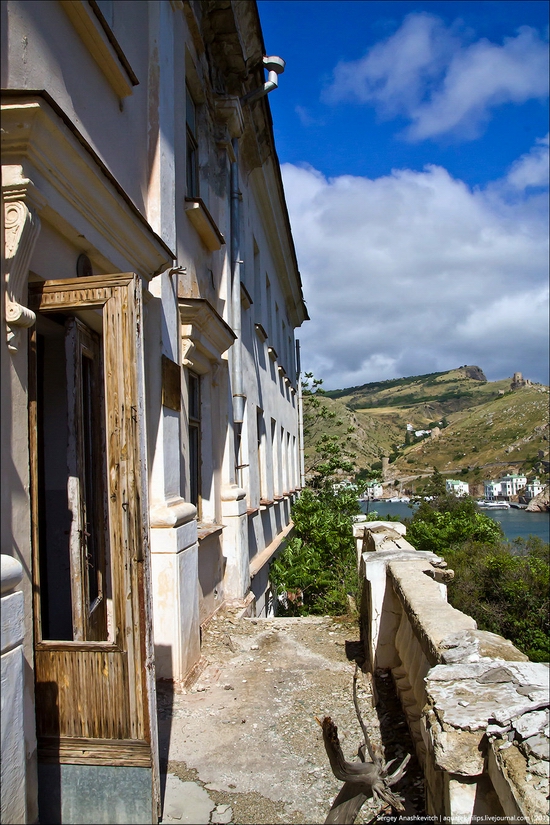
pixel 242 745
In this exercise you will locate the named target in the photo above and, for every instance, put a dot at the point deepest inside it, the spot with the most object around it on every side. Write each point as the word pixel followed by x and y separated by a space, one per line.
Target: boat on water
pixel 493 505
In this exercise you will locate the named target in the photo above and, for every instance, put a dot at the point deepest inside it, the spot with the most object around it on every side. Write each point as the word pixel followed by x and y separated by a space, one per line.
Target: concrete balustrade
pixel 13 770
pixel 477 709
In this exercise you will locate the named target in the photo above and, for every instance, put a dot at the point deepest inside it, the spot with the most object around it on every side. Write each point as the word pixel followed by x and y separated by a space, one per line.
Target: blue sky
pixel 413 139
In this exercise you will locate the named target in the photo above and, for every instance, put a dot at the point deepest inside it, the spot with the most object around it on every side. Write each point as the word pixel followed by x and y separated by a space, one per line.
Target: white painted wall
pixel 61 151
pixel 13 763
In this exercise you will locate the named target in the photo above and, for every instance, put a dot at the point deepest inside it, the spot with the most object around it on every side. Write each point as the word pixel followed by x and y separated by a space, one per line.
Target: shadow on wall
pixel 211 572
pixel 49 772
pixel 165 705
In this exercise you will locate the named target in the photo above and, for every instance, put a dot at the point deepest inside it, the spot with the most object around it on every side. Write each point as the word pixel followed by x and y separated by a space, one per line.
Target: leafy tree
pixel 435 486
pixel 317 570
pixel 443 520
pixel 319 564
pixel 365 475
pixel 327 456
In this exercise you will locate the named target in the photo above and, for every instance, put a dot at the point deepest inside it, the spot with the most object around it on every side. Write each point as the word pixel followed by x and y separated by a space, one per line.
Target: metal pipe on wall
pixel 237 384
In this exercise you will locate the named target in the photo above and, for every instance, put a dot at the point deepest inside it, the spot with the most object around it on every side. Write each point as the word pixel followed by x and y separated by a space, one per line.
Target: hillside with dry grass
pixel 479 429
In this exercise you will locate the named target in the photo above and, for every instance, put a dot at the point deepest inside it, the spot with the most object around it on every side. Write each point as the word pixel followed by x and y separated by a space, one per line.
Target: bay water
pixel 514 523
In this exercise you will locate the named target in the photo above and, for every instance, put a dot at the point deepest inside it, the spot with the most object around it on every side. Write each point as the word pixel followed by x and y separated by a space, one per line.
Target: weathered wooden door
pixel 94 670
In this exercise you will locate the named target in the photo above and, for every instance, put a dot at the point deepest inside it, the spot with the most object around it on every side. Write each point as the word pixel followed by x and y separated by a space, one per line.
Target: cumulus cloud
pixel 427 74
pixel 531 169
pixel 415 272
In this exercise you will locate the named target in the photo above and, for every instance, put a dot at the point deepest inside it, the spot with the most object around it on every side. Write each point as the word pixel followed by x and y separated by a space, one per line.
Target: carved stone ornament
pixel 21 232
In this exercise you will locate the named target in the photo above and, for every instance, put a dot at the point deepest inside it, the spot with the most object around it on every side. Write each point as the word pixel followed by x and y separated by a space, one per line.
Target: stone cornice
pixel 78 194
pixel 205 328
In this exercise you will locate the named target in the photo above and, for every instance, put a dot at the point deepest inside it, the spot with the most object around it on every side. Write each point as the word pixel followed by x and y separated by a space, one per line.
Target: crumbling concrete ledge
pixel 477 708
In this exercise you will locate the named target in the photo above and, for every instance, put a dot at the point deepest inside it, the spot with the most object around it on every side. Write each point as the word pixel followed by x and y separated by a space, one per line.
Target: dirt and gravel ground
pixel 246 731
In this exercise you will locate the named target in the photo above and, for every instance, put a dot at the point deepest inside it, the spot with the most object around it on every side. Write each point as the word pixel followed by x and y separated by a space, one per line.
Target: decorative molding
pixel 108 55
pixel 260 332
pixel 205 328
pixel 204 224
pixel 172 513
pixel 22 227
pixel 78 195
pixel 232 492
pixel 229 112
pixel 187 347
pixel 11 573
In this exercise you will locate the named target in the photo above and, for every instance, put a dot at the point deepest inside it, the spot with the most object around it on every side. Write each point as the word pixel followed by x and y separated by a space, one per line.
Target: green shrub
pixel 320 559
pixel 504 586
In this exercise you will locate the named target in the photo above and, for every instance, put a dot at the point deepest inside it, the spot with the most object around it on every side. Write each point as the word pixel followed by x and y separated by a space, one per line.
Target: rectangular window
pixel 257 286
pixel 192 165
pixel 275 457
pixel 284 463
pixel 195 441
pixel 261 438
pixel 72 480
pixel 269 310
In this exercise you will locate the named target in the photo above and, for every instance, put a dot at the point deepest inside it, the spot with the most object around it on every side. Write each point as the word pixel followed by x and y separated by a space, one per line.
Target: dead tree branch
pixel 362 780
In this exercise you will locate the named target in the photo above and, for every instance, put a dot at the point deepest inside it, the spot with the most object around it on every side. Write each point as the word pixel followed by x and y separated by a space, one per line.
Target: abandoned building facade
pixel 150 401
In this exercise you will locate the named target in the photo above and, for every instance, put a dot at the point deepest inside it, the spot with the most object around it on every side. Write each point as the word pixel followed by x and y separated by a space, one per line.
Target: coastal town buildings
pixel 458 488
pixel 505 487
pixel 511 485
pixel 150 404
pixel 373 489
pixel 532 488
pixel 492 490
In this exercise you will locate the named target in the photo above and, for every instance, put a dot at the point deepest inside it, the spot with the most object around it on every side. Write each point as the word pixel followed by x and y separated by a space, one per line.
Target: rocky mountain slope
pixel 479 429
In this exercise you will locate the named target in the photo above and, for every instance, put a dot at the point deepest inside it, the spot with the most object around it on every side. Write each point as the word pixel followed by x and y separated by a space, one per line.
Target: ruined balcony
pixel 476 707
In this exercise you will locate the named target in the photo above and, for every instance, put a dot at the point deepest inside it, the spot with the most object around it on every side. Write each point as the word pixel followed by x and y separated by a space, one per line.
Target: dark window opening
pixel 194 440
pixel 71 477
pixel 192 156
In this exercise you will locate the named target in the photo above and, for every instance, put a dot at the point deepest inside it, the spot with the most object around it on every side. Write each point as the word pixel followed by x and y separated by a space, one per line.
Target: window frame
pixel 194 419
pixel 192 182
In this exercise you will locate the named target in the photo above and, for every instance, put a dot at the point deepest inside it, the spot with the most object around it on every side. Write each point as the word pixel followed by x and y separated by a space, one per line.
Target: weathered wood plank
pixel 83 693
pixel 77 750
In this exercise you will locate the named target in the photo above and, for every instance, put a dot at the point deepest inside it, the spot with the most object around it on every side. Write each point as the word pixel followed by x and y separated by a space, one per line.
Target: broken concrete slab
pixel 459 752
pixel 186 803
pixel 538 746
pixel 530 724
pixel 455 691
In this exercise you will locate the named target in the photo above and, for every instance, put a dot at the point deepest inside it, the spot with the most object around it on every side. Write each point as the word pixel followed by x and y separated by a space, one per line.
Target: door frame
pixel 84 685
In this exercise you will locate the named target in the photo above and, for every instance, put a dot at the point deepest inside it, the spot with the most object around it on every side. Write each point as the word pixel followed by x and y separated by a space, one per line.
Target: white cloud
pixel 424 73
pixel 531 169
pixel 415 272
pixel 304 116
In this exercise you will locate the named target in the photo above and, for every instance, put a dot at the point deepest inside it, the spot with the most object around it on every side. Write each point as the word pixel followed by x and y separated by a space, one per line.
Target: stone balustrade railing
pixel 13 769
pixel 477 708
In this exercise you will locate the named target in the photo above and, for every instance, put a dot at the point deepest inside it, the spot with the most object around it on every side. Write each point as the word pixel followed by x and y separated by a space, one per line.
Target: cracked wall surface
pixel 477 708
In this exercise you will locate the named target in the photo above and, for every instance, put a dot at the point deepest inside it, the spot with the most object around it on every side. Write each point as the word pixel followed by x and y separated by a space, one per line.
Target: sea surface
pixel 515 523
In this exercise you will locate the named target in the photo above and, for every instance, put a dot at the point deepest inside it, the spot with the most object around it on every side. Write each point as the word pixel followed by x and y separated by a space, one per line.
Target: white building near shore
pixel 532 489
pixel 505 487
pixel 459 488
